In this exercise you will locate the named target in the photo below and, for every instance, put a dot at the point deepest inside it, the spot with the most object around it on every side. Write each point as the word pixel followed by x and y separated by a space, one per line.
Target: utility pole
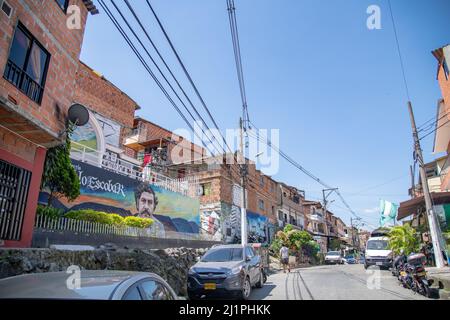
pixel 243 171
pixel 413 188
pixel 432 222
pixel 326 193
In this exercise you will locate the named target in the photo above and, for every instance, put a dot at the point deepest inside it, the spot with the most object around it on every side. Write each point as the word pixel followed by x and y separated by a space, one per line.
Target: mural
pixel 109 192
pixel 224 223
pixel 443 214
pixel 85 136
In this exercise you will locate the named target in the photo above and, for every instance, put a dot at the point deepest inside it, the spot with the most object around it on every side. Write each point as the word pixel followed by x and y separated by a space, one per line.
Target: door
pixel 253 264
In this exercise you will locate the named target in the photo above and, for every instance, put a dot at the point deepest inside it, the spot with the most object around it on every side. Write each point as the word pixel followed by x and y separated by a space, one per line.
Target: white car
pixel 334 257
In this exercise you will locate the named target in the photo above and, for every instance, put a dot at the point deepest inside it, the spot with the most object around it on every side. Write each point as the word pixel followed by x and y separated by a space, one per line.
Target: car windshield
pixel 377 245
pixel 222 255
pixel 333 253
pixel 349 257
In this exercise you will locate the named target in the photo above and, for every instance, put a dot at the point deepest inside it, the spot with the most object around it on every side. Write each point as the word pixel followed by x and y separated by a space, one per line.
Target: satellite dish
pixel 78 114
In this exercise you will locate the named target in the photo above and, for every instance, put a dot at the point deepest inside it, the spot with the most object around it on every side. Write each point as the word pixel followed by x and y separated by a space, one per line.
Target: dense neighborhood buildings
pixel 438 179
pixel 117 154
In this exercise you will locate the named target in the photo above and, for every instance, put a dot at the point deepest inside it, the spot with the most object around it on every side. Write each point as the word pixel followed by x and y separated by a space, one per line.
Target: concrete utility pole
pixel 432 221
pixel 326 193
pixel 243 166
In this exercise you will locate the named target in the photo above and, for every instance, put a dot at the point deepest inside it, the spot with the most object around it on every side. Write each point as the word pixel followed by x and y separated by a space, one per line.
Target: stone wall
pixel 170 264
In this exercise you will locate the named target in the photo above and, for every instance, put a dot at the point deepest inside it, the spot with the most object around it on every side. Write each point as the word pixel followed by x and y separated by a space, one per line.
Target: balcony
pixel 136 139
pixel 21 80
pixel 187 186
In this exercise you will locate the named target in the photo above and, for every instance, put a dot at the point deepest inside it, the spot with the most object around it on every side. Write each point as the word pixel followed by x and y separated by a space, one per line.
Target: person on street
pixel 284 254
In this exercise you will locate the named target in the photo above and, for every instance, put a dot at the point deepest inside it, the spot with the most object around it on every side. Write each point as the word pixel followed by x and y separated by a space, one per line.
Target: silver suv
pixel 226 270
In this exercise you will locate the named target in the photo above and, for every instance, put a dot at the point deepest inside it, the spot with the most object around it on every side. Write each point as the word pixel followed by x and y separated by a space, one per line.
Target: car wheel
pixel 365 266
pixel 246 289
pixel 261 280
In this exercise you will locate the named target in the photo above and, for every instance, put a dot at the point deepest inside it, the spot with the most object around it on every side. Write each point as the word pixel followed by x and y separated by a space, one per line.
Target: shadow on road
pixel 264 292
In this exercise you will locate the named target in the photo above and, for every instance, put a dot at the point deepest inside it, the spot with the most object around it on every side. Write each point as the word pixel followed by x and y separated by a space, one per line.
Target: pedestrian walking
pixel 284 254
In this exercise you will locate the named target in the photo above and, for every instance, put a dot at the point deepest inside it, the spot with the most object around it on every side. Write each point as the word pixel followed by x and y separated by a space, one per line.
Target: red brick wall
pixel 14 144
pixel 98 94
pixel 47 23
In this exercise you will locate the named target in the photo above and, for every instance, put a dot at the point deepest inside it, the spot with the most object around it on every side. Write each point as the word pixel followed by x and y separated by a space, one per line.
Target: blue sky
pixel 313 70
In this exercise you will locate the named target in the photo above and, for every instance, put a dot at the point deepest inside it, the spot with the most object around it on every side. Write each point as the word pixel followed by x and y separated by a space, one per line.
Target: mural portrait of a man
pixel 146 202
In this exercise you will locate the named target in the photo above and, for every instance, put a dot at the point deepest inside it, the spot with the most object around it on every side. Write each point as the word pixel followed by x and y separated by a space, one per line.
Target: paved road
pixel 346 282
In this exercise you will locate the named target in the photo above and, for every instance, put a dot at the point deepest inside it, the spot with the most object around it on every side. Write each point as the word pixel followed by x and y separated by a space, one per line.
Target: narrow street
pixel 347 282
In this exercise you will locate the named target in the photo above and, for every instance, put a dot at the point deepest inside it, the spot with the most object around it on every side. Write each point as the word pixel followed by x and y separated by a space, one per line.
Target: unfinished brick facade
pixel 28 126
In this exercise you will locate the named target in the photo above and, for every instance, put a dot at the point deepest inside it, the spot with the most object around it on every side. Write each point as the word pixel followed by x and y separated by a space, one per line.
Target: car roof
pixel 378 238
pixel 222 246
pixel 94 284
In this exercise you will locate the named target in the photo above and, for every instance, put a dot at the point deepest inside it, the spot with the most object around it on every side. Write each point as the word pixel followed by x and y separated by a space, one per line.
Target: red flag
pixel 147 160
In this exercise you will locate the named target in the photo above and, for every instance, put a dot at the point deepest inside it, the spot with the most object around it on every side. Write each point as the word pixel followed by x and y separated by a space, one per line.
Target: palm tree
pixel 403 239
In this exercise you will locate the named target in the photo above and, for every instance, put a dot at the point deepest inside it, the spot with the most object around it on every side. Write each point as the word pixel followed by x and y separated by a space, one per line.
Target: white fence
pixel 79 226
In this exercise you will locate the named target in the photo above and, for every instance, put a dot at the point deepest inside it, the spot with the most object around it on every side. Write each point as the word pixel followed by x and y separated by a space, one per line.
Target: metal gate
pixel 14 186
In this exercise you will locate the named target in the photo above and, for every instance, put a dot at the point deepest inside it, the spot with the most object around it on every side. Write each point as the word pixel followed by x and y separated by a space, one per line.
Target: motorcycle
pixel 419 281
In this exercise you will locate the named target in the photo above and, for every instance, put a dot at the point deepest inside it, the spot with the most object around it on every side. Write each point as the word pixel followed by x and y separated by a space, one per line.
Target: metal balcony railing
pixel 21 80
pixel 187 186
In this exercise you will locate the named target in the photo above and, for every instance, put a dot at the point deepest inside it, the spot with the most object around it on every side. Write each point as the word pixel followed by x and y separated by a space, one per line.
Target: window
pixel 249 252
pixel 261 204
pixel 27 64
pixel 14 182
pixel 154 290
pixel 272 187
pixel 132 294
pixel 63 4
pixel 261 181
pixel 206 189
pixel 446 70
pixel 273 210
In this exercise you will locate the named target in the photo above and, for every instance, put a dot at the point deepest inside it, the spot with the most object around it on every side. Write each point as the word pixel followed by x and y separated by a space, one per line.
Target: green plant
pixel 296 240
pixel 403 239
pixel 91 216
pixel 59 176
pixel 50 212
pixel 137 222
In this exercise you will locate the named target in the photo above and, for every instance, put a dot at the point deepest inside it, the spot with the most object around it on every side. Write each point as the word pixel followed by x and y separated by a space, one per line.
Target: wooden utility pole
pixel 432 221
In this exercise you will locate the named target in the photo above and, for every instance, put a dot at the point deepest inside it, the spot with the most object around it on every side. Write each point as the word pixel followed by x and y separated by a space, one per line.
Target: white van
pixel 378 253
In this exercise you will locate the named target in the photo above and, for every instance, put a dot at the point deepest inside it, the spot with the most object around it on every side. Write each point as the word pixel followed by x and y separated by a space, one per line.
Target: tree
pixel 403 239
pixel 59 176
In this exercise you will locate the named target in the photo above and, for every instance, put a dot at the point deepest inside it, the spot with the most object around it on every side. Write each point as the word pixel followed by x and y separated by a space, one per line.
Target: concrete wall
pixel 44 238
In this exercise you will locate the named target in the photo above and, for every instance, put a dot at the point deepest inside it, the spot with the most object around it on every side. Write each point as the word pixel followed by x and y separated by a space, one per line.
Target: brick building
pixel 290 210
pixel 39 57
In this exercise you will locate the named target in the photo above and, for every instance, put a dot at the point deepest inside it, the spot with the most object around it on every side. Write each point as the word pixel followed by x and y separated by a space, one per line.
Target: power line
pixel 399 51
pixel 165 64
pixel 448 121
pixel 147 68
pixel 185 71
pixel 238 58
pixel 301 168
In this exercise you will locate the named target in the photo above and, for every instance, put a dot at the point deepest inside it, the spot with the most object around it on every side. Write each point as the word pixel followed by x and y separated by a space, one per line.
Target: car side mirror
pixel 247 258
pixel 198 259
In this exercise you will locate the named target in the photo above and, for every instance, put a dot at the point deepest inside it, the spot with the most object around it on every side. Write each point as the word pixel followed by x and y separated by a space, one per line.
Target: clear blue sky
pixel 313 70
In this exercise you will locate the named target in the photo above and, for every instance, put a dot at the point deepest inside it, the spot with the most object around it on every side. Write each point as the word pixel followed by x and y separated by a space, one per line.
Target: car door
pixel 252 265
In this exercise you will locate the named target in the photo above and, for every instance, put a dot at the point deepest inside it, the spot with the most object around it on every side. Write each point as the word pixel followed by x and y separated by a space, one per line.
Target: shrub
pixel 137 222
pixel 50 212
pixel 117 219
pixel 91 216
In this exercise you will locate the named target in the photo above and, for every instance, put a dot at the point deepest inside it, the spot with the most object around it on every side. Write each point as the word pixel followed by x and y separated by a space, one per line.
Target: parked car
pixel 334 257
pixel 378 253
pixel 93 285
pixel 226 271
pixel 350 259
